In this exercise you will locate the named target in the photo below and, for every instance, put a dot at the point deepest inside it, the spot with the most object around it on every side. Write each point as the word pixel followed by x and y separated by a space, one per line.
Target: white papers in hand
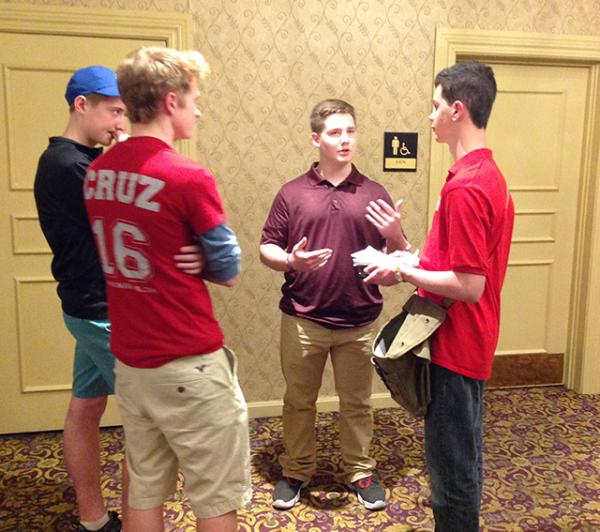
pixel 370 255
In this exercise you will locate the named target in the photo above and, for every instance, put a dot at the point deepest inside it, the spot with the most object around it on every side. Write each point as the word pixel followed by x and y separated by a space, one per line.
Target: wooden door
pixel 544 131
pixel 537 134
pixel 36 351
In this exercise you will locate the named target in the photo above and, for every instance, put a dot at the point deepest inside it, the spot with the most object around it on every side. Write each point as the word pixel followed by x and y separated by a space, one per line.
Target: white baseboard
pixel 328 403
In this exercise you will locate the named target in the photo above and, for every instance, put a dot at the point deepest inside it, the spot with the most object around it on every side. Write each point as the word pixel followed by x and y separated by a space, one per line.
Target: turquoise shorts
pixel 94 364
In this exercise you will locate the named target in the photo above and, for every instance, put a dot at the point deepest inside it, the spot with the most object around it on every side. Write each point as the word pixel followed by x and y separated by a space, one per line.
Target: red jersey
pixel 471 233
pixel 145 201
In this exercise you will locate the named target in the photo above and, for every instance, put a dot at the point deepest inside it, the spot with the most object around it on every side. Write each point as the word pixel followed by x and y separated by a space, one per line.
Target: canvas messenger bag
pixel 401 353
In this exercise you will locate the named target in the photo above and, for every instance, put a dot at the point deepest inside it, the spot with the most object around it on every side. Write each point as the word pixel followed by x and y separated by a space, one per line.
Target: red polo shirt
pixel 471 233
pixel 330 217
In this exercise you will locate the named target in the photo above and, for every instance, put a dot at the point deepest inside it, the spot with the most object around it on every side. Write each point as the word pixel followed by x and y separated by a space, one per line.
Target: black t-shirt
pixel 58 192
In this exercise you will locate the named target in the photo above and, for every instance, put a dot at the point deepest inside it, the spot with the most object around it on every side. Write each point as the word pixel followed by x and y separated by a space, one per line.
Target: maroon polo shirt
pixel 329 217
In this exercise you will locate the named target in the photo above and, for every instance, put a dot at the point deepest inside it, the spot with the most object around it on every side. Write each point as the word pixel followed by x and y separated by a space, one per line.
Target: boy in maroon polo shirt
pixel 315 223
pixel 465 259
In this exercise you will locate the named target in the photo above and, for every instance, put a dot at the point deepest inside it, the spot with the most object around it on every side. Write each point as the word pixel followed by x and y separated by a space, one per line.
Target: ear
pixel 459 110
pixel 316 139
pixel 170 102
pixel 80 103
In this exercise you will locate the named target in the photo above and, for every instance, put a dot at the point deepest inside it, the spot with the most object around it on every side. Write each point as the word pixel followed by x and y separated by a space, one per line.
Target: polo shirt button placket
pixel 335 203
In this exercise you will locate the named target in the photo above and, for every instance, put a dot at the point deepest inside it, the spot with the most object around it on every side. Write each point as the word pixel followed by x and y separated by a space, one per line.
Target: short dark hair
pixel 474 84
pixel 327 108
pixel 93 98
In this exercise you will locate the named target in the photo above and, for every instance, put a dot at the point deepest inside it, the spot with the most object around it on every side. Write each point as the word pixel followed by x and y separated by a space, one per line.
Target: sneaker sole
pixel 377 505
pixel 280 504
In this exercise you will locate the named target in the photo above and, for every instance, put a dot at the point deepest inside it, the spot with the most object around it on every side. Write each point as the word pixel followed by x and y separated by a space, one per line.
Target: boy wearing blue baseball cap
pixel 92 80
pixel 96 117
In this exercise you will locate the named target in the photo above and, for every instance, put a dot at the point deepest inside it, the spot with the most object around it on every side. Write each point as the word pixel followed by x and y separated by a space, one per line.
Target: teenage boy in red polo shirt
pixel 464 258
pixel 315 223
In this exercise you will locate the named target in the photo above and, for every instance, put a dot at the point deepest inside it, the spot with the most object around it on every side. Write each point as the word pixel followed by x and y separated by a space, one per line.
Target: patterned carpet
pixel 542 473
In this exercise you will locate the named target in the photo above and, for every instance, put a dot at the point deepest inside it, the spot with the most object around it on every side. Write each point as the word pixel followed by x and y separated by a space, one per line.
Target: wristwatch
pixel 288 263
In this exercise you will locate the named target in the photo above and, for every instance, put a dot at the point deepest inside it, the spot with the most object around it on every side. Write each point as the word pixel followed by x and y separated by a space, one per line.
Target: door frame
pixel 582 359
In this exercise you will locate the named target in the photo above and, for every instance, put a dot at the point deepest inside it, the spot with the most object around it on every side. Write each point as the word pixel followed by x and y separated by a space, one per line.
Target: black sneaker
pixel 287 493
pixel 370 493
pixel 113 525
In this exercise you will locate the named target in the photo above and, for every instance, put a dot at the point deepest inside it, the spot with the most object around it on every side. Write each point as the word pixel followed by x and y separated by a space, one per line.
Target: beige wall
pixel 271 61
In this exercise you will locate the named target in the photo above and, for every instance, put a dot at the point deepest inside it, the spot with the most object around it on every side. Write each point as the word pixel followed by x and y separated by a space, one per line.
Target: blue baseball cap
pixel 92 80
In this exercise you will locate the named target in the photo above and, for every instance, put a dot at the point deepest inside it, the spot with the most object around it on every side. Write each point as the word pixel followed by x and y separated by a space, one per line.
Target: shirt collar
pixel 355 177
pixel 475 156
pixel 93 152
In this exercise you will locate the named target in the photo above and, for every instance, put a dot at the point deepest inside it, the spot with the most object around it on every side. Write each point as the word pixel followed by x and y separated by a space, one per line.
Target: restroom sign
pixel 399 152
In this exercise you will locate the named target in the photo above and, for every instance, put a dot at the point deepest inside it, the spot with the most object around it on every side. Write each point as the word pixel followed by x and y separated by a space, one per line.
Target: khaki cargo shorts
pixel 189 414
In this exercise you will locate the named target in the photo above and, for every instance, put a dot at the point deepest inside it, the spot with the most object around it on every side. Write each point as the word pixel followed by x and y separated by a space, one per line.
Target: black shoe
pixel 370 493
pixel 287 493
pixel 113 525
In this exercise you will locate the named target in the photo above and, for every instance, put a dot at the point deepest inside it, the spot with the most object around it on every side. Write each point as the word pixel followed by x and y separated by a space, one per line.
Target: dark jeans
pixel 453 445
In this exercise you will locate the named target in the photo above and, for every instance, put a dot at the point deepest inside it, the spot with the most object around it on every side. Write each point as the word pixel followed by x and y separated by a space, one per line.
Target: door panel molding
pixel 175 29
pixel 171 29
pixel 27 239
pixel 583 345
pixel 35 374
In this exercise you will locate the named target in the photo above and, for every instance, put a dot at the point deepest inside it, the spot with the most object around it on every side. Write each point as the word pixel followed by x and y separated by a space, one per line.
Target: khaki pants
pixel 305 346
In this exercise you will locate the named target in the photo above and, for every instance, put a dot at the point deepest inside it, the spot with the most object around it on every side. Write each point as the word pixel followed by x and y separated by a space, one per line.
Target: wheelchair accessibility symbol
pixel 404 151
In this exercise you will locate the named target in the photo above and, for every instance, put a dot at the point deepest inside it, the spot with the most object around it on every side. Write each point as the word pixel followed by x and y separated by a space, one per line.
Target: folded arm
pixel 221 255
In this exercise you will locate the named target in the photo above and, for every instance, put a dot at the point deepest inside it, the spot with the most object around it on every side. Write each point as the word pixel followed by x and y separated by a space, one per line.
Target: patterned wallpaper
pixel 271 61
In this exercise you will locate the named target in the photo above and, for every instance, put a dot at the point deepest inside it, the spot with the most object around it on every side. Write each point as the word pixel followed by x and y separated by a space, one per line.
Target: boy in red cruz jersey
pixel 316 222
pixel 464 259
pixel 177 387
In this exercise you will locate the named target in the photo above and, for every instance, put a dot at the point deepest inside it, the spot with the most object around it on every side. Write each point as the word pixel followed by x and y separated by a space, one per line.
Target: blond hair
pixel 149 73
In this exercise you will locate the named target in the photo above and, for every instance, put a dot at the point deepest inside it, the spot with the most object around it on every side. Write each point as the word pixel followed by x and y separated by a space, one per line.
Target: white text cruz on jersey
pixel 124 187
